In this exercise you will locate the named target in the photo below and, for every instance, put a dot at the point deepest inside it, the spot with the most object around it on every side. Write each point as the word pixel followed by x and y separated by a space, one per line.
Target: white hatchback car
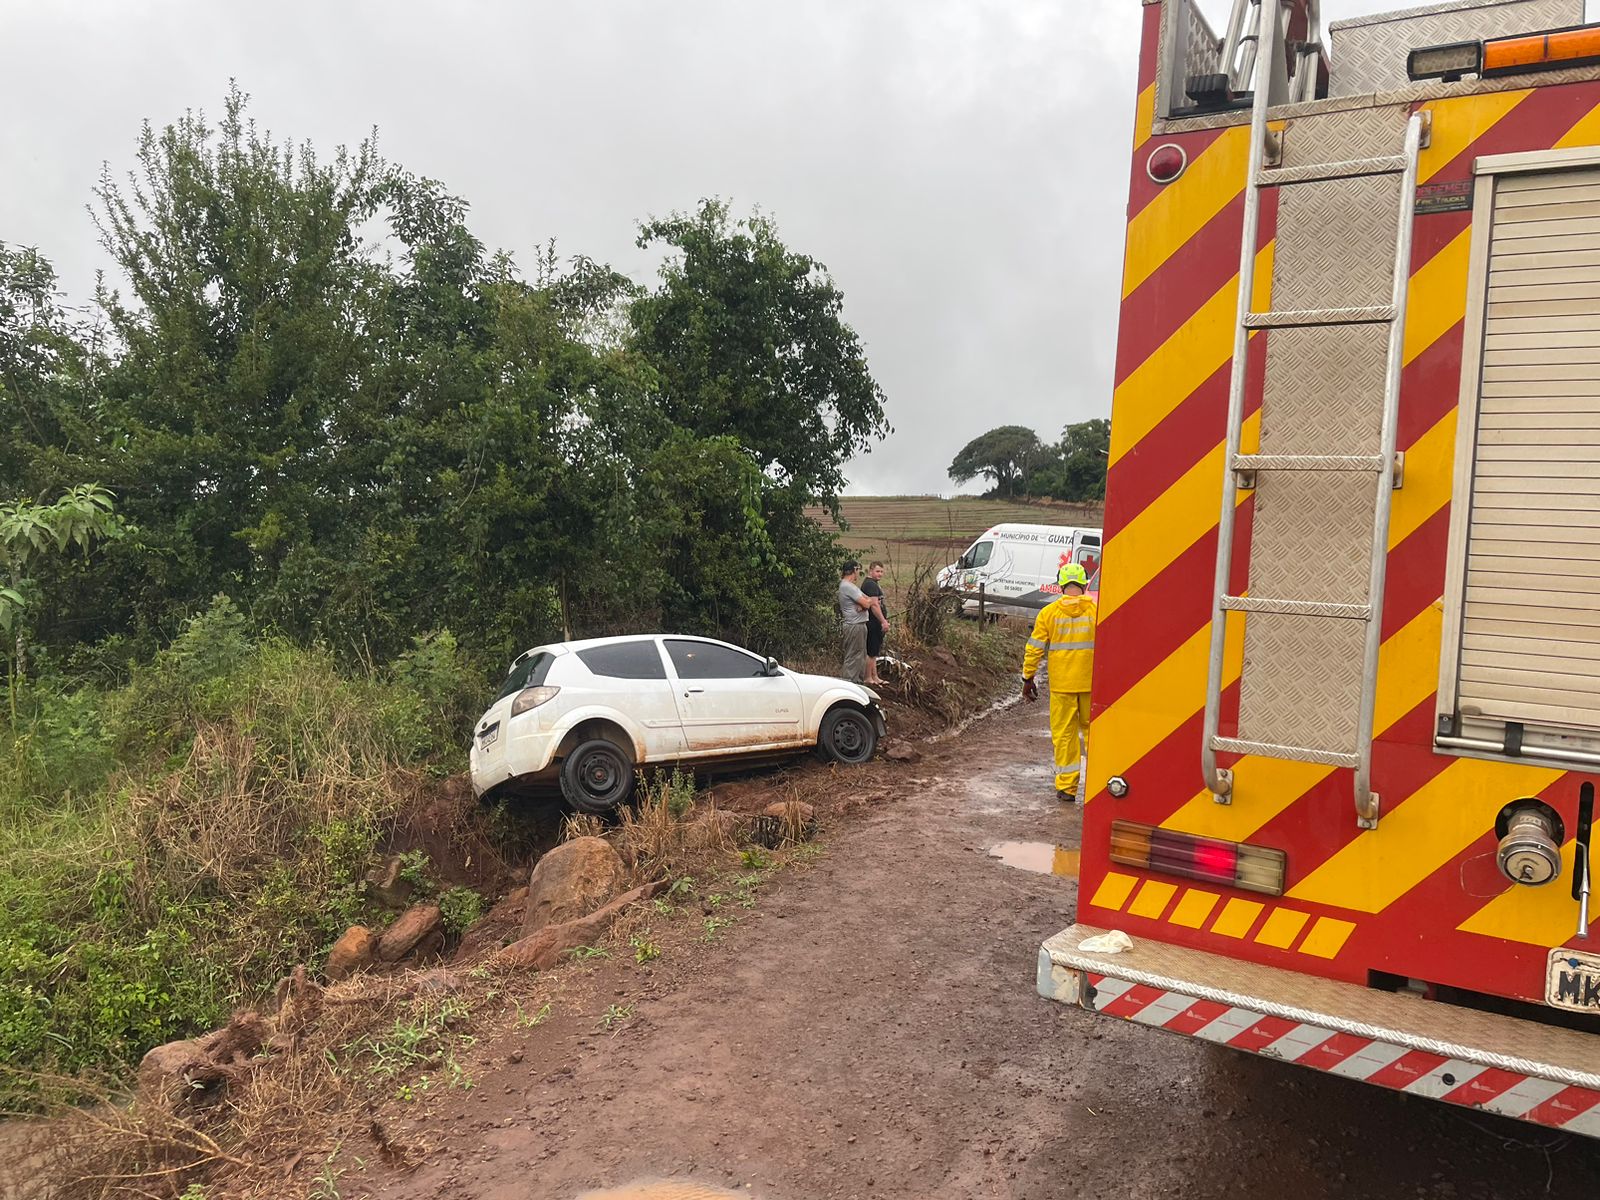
pixel 588 713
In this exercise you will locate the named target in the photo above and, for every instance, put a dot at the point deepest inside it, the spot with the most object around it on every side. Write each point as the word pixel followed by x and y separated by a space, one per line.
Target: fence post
pixel 982 610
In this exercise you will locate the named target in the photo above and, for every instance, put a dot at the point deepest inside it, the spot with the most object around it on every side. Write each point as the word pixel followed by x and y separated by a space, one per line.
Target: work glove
pixel 1030 690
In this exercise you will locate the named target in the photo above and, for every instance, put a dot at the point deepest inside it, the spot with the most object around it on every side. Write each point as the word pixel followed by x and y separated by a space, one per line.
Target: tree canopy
pixel 317 392
pixel 1017 464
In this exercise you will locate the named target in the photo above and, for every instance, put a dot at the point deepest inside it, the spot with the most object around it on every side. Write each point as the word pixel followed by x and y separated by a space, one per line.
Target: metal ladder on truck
pixel 1326 465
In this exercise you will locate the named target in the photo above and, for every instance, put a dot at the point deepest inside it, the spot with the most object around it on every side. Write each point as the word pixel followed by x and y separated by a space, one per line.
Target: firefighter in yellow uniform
pixel 1065 632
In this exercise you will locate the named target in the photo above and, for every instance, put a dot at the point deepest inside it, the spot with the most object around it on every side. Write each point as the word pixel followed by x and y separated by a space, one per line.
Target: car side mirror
pixel 772 667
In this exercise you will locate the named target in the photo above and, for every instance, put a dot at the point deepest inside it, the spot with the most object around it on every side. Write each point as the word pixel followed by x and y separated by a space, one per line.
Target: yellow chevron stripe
pixel 1184 361
pixel 1536 916
pixel 1413 840
pixel 1408 672
pixel 1437 296
pixel 1144 116
pixel 1168 526
pixel 1181 209
pixel 1585 133
pixel 1460 122
pixel 1145 715
pixel 1178 518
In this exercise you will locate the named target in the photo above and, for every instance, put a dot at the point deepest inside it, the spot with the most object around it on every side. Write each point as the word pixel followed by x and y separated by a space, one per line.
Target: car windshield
pixel 530 672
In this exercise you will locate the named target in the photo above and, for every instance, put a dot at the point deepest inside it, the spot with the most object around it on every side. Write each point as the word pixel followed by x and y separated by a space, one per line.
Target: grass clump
pixel 214 832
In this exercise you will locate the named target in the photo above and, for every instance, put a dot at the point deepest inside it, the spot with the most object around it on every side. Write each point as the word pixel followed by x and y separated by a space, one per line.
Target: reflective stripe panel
pixel 1089 645
pixel 1036 643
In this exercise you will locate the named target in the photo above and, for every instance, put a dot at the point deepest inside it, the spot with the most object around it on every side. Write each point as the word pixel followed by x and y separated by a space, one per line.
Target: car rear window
pixel 530 672
pixel 626 660
pixel 706 660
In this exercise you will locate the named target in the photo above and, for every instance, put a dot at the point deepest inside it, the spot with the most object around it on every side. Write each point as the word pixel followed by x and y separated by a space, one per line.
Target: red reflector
pixel 1216 860
pixel 1166 163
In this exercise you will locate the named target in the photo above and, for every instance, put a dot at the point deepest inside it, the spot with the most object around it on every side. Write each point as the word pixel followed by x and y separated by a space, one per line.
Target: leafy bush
pixel 225 841
pixel 460 907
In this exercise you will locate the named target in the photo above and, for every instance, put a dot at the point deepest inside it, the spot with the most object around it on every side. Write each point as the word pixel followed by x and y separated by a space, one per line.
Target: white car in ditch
pixel 589 714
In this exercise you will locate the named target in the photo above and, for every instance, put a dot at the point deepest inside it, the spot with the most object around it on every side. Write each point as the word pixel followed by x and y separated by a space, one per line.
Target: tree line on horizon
pixel 1017 465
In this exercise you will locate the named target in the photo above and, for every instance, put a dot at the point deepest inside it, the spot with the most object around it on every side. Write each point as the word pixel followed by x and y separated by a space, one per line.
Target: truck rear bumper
pixel 1500 1064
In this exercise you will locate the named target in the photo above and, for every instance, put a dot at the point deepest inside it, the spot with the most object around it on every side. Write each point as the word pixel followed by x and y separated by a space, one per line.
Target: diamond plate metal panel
pixel 1341 136
pixel 1311 537
pixel 1302 680
pixel 1369 53
pixel 1336 243
pixel 1324 389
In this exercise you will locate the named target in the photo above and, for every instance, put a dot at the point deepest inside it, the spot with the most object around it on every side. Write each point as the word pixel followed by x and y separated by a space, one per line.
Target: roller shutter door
pixel 1530 630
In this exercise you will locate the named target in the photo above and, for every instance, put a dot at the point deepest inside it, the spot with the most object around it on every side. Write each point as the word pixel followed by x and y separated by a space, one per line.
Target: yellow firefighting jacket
pixel 1064 630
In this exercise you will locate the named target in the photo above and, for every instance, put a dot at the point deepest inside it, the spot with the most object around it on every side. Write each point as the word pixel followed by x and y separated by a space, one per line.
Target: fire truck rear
pixel 1346 705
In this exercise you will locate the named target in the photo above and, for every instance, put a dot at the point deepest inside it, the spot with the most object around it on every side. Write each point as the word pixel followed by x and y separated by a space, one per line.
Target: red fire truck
pixel 1346 705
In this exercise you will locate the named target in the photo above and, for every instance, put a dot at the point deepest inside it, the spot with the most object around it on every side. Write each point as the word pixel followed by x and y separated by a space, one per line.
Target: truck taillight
pixel 1233 864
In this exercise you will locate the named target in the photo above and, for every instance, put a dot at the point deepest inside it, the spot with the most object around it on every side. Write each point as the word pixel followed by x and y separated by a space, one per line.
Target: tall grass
pixel 171 849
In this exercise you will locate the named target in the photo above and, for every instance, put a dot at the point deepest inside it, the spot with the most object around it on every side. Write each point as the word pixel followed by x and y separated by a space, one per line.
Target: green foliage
pixel 212 829
pixel 644 950
pixel 459 907
pixel 755 859
pixel 1017 464
pixel 1003 456
pixel 362 440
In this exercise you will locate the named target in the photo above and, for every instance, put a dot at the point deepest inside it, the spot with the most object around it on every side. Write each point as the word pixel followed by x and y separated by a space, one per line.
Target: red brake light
pixel 1232 864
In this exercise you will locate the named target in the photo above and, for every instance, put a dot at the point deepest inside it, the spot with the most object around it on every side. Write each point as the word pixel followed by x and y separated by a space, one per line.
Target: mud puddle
pixel 1045 858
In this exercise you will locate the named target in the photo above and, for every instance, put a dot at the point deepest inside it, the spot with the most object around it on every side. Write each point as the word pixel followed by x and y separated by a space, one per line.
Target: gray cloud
pixel 960 165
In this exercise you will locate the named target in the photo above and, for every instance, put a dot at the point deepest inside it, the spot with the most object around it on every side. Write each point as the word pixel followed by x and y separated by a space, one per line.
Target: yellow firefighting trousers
pixel 1069 729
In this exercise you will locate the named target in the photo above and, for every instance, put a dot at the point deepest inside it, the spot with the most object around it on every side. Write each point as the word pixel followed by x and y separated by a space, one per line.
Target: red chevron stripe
pixel 1196 1017
pixel 1407 1069
pixel 1159 306
pixel 1164 613
pixel 1563 1106
pixel 1333 1051
pixel 1134 1000
pixel 1264 1032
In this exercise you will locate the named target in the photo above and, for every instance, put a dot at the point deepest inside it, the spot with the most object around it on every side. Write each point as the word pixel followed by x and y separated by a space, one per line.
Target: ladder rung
pixel 1310 754
pixel 1296 608
pixel 1390 164
pixel 1375 315
pixel 1310 462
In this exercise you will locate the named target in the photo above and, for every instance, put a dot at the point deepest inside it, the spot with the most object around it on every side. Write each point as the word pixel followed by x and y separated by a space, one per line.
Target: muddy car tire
pixel 847 736
pixel 597 777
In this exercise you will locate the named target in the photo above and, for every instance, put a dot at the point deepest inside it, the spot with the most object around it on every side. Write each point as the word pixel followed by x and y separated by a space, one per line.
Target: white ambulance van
pixel 1017 566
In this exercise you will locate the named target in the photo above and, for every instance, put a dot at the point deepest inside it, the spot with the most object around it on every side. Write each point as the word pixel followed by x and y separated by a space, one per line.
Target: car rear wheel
pixel 597 776
pixel 848 736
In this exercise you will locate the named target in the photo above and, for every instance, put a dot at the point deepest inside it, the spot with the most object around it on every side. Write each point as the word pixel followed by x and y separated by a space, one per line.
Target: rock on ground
pixel 356 950
pixel 575 878
pixel 415 929
pixel 541 950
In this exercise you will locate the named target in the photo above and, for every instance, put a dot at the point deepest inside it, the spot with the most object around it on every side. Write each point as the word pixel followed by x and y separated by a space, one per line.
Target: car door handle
pixel 694 691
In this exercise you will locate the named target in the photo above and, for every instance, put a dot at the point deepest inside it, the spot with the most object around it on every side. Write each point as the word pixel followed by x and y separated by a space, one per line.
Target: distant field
pixel 907 530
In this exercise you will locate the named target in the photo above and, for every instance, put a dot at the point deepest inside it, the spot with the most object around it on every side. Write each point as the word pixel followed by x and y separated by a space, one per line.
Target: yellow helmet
pixel 1072 573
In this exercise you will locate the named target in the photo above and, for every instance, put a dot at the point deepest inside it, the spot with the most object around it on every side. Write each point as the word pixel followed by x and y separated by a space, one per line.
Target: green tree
pixel 30 532
pixel 1076 466
pixel 1005 456
pixel 747 339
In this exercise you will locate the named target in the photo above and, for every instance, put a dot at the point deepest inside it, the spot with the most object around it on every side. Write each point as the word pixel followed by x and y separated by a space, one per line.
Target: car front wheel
pixel 848 736
pixel 597 776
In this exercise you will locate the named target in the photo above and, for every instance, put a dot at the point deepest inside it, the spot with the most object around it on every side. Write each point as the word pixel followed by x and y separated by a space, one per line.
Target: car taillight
pixel 1234 864
pixel 531 698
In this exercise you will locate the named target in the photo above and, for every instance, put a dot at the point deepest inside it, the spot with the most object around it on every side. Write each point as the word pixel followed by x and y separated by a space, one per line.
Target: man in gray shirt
pixel 854 606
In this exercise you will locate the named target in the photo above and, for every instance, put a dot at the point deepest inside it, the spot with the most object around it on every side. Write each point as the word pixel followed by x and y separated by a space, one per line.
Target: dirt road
pixel 872 1031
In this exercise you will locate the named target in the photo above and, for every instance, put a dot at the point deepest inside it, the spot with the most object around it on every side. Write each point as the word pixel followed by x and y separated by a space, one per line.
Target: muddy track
pixel 872 1031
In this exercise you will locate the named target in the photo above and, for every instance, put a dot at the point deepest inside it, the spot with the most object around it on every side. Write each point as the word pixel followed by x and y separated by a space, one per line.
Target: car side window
pixel 626 660
pixel 980 554
pixel 703 660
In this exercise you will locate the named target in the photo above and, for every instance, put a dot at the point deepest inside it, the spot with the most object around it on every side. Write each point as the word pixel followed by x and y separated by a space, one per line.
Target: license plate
pixel 488 737
pixel 1573 981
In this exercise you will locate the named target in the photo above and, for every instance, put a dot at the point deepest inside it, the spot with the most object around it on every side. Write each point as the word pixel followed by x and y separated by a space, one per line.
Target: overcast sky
pixel 959 165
